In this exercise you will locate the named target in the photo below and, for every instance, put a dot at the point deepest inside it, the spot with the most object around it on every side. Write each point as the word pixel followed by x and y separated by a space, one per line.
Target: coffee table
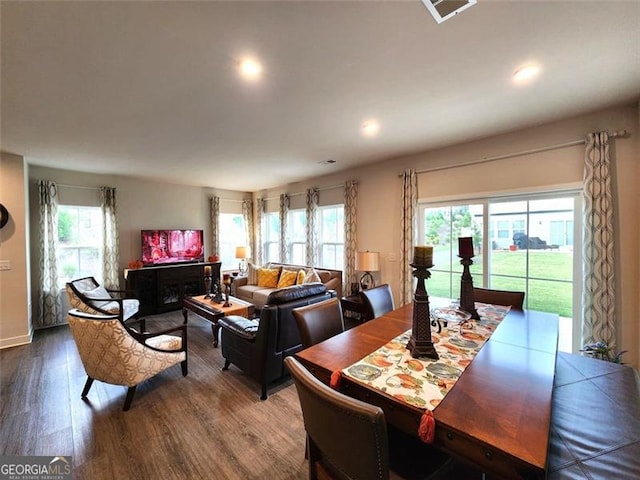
pixel 212 311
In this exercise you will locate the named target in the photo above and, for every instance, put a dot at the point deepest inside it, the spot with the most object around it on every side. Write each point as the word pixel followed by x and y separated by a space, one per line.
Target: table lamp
pixel 242 253
pixel 367 262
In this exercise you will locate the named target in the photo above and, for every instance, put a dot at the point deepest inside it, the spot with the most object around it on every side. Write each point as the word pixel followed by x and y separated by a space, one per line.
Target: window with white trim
pixel 271 237
pixel 232 235
pixel 80 242
pixel 297 233
pixel 331 236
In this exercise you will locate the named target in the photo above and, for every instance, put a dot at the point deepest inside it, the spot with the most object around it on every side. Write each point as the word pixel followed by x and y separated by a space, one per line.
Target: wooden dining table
pixel 496 416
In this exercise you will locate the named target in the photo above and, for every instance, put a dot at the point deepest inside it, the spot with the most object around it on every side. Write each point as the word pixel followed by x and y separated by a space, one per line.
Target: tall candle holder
pixel 207 286
pixel 467 302
pixel 420 344
pixel 228 280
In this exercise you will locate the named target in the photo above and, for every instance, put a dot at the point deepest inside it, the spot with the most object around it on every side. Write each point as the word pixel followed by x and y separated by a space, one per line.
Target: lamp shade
pixel 242 252
pixel 368 261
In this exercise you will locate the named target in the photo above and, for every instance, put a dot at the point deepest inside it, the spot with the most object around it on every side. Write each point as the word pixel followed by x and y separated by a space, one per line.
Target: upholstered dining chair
pixel 377 301
pixel 346 438
pixel 87 295
pixel 319 321
pixel 113 353
pixel 507 298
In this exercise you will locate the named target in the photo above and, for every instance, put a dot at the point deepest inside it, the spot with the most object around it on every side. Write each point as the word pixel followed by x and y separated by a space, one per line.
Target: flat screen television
pixel 161 247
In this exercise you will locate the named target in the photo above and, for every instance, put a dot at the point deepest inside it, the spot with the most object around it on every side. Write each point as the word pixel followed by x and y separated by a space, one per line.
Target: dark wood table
pixel 212 311
pixel 498 414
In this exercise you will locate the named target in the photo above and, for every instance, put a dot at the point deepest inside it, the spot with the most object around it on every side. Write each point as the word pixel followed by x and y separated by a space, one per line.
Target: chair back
pixel 511 299
pixel 377 301
pixel 319 321
pixel 345 437
pixel 87 295
pixel 109 353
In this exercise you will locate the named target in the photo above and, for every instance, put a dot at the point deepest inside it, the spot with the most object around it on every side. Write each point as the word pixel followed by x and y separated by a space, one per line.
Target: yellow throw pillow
pixel 287 278
pixel 300 277
pixel 268 277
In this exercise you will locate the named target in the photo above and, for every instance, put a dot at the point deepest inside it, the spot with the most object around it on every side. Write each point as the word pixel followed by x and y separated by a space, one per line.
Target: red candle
pixel 465 246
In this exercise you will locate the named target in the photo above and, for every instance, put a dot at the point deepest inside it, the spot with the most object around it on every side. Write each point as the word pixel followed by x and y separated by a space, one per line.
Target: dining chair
pixel 319 321
pixel 346 438
pixel 377 301
pixel 113 353
pixel 511 299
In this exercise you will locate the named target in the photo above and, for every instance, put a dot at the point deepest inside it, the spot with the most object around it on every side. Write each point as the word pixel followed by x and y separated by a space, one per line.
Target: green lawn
pixel 548 295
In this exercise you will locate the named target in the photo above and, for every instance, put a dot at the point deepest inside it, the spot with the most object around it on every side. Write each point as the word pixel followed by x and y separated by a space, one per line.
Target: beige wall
pixel 146 204
pixel 15 311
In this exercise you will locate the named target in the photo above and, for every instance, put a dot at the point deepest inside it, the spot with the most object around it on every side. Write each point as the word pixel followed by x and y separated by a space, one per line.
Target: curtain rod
pixel 78 186
pixel 618 134
pixel 328 187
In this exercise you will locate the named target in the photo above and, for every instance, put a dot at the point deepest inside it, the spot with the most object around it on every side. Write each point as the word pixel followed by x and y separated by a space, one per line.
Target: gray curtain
pixel 214 219
pixel 258 255
pixel 247 215
pixel 350 243
pixel 49 305
pixel 110 253
pixel 313 197
pixel 598 299
pixel 284 217
pixel 408 233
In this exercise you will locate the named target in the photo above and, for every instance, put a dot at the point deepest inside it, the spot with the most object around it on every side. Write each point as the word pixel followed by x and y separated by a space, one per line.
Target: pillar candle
pixel 207 271
pixel 465 246
pixel 423 255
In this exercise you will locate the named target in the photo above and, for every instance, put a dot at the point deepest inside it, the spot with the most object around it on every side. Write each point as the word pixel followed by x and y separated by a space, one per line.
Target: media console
pixel 160 289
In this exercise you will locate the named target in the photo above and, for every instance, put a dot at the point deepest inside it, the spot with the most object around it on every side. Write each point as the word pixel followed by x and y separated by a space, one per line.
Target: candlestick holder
pixel 467 302
pixel 207 286
pixel 216 291
pixel 227 290
pixel 420 343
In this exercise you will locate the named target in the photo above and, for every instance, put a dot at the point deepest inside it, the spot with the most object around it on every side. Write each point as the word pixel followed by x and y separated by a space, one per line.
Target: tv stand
pixel 160 289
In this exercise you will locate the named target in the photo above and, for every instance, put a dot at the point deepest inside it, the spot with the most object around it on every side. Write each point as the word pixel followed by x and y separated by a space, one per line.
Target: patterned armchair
pixel 87 295
pixel 114 353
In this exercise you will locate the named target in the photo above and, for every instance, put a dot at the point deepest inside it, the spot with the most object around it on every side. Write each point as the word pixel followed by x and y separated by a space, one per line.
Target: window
pixel 441 228
pixel 80 241
pixel 232 235
pixel 331 237
pixel 297 236
pixel 526 244
pixel 271 237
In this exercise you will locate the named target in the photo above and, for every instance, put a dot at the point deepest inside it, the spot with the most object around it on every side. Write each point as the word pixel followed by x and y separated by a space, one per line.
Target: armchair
pixel 87 295
pixel 112 352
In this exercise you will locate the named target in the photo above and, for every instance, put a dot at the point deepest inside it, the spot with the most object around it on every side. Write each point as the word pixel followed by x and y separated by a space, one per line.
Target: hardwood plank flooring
pixel 210 424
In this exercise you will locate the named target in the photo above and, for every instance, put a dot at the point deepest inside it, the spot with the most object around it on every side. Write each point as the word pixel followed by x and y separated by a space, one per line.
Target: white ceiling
pixel 151 88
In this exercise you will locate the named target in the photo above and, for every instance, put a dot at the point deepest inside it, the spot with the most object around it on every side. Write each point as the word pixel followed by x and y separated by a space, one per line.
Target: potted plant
pixel 602 351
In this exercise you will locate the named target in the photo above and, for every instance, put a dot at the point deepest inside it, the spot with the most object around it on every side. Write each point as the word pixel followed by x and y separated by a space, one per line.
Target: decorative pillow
pixel 311 276
pixel 287 278
pixel 99 293
pixel 300 277
pixel 252 274
pixel 268 277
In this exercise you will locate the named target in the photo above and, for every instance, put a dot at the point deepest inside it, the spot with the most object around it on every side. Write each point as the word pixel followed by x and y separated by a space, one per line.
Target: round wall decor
pixel 4 216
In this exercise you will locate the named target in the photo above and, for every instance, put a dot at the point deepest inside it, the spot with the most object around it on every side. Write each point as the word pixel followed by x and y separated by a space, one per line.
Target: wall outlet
pixel 5 265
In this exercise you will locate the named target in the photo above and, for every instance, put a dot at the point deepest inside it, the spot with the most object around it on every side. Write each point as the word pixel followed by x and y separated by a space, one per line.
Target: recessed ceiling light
pixel 250 69
pixel 370 128
pixel 526 73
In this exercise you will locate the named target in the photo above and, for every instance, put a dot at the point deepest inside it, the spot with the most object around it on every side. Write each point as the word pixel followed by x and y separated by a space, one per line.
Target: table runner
pixel 423 382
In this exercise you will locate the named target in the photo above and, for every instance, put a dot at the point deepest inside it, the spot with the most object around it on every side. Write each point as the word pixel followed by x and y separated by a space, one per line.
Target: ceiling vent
pixel 444 9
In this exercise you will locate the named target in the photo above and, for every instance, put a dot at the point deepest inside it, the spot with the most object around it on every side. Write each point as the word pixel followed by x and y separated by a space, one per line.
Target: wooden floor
pixel 210 424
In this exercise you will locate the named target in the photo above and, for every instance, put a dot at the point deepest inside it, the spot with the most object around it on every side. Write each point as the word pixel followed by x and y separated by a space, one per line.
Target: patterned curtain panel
pixel 598 297
pixel 111 255
pixel 350 244
pixel 258 256
pixel 284 217
pixel 408 233
pixel 313 197
pixel 247 215
pixel 49 306
pixel 214 219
